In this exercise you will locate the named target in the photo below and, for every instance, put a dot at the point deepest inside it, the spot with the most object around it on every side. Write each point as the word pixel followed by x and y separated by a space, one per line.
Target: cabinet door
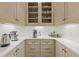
pixel 70 53
pixel 7 12
pixel 20 13
pixel 73 12
pixel 33 48
pixel 59 50
pixel 20 50
pixel 47 48
pixel 11 54
pixel 59 13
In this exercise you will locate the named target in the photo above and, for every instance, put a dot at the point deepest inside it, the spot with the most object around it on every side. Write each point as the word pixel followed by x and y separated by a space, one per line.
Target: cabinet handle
pixel 64 19
pixel 64 50
pixel 17 19
pixel 17 50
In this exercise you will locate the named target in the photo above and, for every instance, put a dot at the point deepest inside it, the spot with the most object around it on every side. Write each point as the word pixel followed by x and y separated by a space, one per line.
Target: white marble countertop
pixel 74 46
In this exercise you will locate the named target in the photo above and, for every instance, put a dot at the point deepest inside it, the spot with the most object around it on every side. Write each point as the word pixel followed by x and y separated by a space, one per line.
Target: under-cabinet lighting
pixel 70 25
pixel 8 26
pixel 39 27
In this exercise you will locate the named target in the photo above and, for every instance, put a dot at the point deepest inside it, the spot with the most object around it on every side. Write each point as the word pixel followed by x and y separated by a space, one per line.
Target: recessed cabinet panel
pixel 59 50
pixel 73 12
pixel 7 12
pixel 62 51
pixel 39 48
pixel 59 13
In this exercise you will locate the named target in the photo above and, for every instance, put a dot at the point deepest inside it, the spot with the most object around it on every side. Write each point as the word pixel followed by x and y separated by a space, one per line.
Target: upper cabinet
pixel 12 12
pixel 73 12
pixel 39 13
pixel 7 12
pixel 20 13
pixel 60 13
pixel 66 13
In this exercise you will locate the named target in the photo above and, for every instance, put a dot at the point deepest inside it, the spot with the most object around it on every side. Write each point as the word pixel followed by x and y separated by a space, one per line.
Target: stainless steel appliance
pixel 5 40
pixel 13 36
pixel 34 33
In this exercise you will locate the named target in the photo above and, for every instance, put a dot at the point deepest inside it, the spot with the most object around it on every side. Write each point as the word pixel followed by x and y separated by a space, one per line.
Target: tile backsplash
pixel 70 31
pixel 26 30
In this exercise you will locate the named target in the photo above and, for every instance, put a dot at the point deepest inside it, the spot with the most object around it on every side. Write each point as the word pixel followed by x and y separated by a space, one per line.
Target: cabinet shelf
pixel 32 12
pixel 33 7
pixel 47 18
pixel 32 18
pixel 46 6
pixel 46 13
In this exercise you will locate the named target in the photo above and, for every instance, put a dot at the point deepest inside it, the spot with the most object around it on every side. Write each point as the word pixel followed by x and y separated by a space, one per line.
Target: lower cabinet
pixel 39 48
pixel 19 51
pixel 62 51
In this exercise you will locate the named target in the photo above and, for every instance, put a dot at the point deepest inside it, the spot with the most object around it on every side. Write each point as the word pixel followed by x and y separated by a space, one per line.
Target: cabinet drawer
pixel 33 41
pixel 46 54
pixel 33 54
pixel 47 41
pixel 46 50
pixel 47 46
pixel 34 47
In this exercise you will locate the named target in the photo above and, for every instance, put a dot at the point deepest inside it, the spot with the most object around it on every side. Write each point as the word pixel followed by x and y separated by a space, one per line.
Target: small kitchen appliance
pixel 5 40
pixel 13 36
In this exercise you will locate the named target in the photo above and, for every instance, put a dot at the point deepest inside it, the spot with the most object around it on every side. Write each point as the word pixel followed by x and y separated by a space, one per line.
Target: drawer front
pixel 46 54
pixel 32 48
pixel 51 46
pixel 47 41
pixel 33 41
pixel 33 54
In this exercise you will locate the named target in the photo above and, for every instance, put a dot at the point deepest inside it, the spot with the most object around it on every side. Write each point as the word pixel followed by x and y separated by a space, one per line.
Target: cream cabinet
pixel 19 51
pixel 32 47
pixel 60 13
pixel 47 48
pixel 12 12
pixel 7 12
pixel 20 13
pixel 62 51
pixel 39 13
pixel 73 12
pixel 70 53
pixel 59 50
pixel 40 48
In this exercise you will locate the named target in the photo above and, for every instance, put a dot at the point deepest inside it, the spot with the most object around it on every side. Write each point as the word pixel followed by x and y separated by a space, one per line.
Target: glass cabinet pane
pixel 33 12
pixel 46 12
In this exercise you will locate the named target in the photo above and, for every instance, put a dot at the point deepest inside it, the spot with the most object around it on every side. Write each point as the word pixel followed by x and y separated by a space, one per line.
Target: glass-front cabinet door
pixel 39 13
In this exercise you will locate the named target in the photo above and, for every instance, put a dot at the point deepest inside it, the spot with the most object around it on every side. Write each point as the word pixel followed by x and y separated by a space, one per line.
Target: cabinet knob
pixel 17 50
pixel 64 19
pixel 64 50
pixel 17 19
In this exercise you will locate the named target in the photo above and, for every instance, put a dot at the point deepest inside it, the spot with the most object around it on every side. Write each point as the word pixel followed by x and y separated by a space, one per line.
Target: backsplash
pixel 26 30
pixel 70 31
